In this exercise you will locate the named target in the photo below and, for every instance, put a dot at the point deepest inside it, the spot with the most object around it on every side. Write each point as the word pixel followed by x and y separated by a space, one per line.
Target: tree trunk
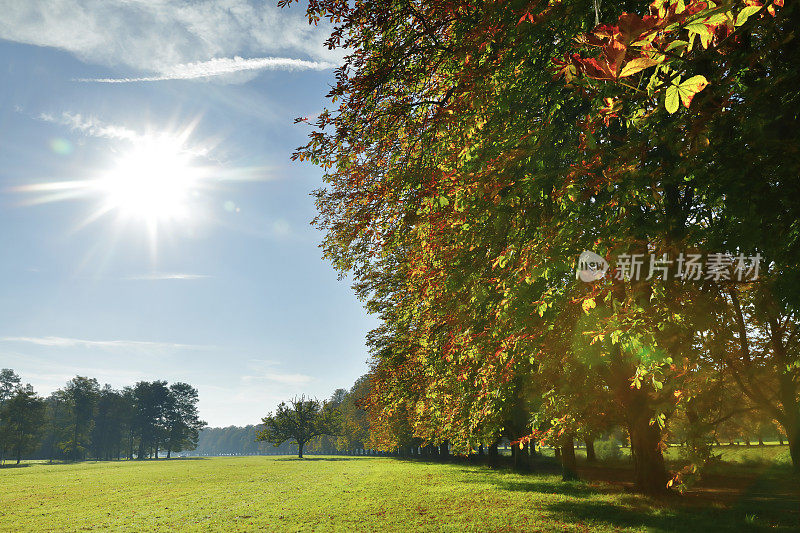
pixel 300 449
pixel 648 461
pixel 169 453
pixel 568 463
pixel 793 436
pixel 519 457
pixel 591 457
pixel 493 454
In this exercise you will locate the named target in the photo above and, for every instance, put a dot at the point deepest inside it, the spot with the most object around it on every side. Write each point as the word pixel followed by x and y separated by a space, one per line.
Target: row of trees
pixel 464 179
pixel 84 420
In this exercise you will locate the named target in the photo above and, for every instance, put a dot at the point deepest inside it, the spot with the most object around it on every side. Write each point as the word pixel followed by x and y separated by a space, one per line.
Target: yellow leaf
pixel 635 65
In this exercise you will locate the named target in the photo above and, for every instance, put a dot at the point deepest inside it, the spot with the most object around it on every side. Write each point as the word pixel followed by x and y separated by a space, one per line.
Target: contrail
pixel 221 66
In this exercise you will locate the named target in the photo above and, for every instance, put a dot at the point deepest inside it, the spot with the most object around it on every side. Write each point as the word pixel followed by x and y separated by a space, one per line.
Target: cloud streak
pixel 277 377
pixel 67 342
pixel 91 126
pixel 158 276
pixel 220 67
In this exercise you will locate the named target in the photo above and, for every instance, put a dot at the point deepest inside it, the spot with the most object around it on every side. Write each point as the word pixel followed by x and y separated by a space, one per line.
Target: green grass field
pixel 364 494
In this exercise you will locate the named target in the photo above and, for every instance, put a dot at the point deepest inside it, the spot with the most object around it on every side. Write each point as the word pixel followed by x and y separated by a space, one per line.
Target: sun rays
pixel 157 180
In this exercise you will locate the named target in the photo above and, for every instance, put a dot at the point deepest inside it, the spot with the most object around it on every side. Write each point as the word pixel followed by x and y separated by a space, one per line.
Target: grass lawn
pixel 368 494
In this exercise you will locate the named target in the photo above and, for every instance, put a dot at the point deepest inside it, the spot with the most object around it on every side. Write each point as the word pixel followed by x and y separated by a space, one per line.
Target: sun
pixel 160 182
pixel 154 181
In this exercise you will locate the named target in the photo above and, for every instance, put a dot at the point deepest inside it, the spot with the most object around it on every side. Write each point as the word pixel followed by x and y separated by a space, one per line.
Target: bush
pixel 608 450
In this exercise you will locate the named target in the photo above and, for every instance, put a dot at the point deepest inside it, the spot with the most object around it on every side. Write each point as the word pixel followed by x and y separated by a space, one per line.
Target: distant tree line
pixel 83 420
pixel 235 440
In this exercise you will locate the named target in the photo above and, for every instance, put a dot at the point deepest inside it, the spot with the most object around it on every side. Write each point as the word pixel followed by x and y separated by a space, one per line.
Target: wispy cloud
pixel 221 66
pixel 157 276
pixel 91 126
pixel 277 377
pixel 264 370
pixel 164 37
pixel 67 342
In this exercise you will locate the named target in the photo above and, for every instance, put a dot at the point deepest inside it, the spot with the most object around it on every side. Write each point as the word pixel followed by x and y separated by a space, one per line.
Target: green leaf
pixel 683 91
pixel 672 101
pixel 674 45
pixel 690 87
pixel 698 28
pixel 745 14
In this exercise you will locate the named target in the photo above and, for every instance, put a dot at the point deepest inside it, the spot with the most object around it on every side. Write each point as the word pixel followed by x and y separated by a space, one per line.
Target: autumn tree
pixel 463 181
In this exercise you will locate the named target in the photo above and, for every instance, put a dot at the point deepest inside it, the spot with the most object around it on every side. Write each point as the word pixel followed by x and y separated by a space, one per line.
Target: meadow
pixel 325 493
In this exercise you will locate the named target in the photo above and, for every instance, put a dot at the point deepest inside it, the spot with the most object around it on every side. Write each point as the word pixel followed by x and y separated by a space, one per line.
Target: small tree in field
pixel 300 421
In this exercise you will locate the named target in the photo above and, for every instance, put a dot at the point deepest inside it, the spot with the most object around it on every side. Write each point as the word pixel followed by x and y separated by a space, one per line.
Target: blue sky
pixel 223 287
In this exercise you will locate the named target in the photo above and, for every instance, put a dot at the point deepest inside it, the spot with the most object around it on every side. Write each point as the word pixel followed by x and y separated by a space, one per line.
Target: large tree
pixel 9 382
pixel 22 418
pixel 301 420
pixel 183 422
pixel 80 395
pixel 151 401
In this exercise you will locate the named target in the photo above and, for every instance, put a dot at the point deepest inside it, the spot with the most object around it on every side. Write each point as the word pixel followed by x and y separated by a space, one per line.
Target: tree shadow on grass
pixel 509 481
pixel 572 489
pixel 668 518
pixel 771 503
pixel 14 465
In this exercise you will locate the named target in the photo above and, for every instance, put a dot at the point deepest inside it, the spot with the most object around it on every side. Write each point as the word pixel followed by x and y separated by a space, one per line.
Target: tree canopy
pixel 301 420
pixel 474 151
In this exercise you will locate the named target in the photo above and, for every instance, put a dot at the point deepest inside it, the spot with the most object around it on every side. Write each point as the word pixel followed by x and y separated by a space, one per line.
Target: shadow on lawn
pixel 572 489
pixel 767 500
pixel 673 518
pixel 14 465
pixel 510 481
